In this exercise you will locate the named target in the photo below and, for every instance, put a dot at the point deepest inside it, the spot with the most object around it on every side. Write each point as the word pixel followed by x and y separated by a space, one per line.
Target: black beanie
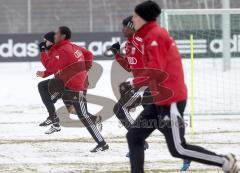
pixel 128 22
pixel 50 36
pixel 148 10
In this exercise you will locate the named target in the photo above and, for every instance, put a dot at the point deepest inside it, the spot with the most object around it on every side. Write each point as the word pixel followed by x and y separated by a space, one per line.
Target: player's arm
pixel 155 55
pixel 54 63
pixel 123 62
pixel 115 48
pixel 44 57
pixel 88 56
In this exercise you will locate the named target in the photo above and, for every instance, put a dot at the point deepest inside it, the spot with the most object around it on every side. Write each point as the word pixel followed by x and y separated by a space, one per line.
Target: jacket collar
pixel 63 42
pixel 130 39
pixel 146 28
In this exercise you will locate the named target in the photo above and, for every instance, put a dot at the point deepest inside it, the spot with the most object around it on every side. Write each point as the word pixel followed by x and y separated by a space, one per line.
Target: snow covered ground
pixel 24 148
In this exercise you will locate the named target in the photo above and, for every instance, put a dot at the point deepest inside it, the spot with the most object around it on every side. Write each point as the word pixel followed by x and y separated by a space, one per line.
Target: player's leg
pixel 173 129
pixel 86 118
pixel 130 99
pixel 136 137
pixel 121 111
pixel 51 91
pixel 48 100
pixel 71 110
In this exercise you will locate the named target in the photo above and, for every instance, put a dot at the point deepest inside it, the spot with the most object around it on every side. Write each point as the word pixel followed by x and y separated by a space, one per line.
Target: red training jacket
pixel 69 63
pixel 163 68
pixel 133 58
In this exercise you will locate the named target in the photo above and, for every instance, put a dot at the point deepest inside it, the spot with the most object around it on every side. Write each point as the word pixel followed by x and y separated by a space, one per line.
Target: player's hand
pixel 124 87
pixel 40 74
pixel 115 48
pixel 42 46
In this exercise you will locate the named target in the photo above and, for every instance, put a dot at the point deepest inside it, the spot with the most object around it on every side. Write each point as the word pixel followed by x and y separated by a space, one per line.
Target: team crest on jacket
pixel 57 56
pixel 78 53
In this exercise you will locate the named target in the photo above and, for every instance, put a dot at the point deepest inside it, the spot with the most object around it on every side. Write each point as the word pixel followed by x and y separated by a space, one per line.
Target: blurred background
pixel 38 16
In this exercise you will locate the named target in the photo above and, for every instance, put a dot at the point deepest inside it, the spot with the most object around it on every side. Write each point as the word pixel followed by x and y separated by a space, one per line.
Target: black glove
pixel 42 46
pixel 124 87
pixel 115 48
pixel 49 47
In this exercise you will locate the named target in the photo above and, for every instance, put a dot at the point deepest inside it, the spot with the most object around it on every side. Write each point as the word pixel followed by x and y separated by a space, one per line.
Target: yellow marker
pixel 192 82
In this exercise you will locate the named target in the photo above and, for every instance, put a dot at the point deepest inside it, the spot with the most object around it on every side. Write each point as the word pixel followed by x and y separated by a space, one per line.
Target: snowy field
pixel 24 148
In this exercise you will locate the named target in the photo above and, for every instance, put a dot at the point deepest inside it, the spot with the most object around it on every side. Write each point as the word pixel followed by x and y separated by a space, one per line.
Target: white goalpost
pixel 216 51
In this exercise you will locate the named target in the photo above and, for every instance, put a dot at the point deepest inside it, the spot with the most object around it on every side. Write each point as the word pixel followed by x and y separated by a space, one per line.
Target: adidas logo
pixel 154 43
pixel 166 118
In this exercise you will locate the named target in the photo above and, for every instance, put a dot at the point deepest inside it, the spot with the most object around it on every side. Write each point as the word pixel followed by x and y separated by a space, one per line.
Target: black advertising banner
pixel 207 44
pixel 24 47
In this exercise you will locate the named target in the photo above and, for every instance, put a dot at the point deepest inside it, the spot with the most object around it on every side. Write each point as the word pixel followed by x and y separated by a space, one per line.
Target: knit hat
pixel 128 22
pixel 50 36
pixel 148 10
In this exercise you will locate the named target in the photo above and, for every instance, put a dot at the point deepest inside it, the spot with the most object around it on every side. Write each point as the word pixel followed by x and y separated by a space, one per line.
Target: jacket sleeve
pixel 55 63
pixel 123 62
pixel 44 57
pixel 88 58
pixel 47 73
pixel 155 60
pixel 156 55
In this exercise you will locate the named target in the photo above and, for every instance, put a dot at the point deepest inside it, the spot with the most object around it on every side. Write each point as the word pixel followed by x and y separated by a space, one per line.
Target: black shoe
pixel 50 121
pixel 146 146
pixel 100 147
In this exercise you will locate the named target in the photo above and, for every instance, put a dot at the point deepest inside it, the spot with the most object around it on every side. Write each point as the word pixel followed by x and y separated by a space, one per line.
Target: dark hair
pixel 64 30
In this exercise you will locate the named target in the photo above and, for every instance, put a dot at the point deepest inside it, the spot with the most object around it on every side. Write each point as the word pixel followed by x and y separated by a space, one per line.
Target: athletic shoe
pixel 230 165
pixel 100 147
pixel 49 121
pixel 53 129
pixel 146 146
pixel 186 165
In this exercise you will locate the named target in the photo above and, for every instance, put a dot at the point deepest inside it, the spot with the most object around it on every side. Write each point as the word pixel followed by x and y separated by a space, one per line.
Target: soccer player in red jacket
pixel 50 90
pixel 131 60
pixel 163 72
pixel 70 63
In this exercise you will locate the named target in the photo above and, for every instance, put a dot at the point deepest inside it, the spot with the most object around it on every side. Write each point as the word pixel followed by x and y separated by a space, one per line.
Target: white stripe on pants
pixel 174 114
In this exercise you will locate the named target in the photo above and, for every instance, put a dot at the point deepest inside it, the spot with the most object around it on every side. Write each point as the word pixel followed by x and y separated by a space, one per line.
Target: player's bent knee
pixel 117 109
pixel 129 135
pixel 177 151
pixel 132 136
pixel 41 85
